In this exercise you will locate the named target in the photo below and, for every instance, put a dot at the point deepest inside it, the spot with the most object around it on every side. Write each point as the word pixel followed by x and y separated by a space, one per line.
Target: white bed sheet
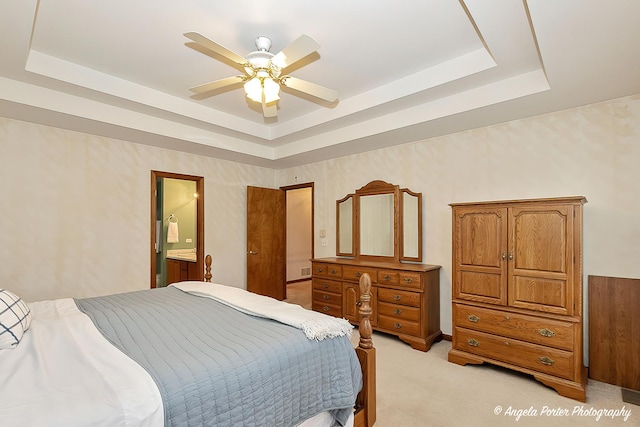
pixel 65 373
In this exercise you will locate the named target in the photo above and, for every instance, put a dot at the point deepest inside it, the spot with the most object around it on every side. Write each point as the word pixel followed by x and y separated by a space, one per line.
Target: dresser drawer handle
pixel 325 297
pixel 334 271
pixel 326 286
pixel 358 303
pixel 473 318
pixel 319 270
pixel 326 308
pixel 358 274
pixel 546 361
pixel 397 297
pixel 397 325
pixel 546 332
pixel 473 343
pixel 398 311
pixel 408 280
pixel 387 277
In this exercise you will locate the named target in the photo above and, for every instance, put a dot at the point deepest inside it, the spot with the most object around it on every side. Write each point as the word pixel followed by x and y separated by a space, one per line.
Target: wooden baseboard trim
pixel 299 280
pixel 446 337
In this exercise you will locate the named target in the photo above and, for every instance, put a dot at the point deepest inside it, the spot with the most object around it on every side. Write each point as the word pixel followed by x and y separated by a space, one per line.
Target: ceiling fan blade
pixel 216 84
pixel 313 89
pixel 269 110
pixel 215 47
pixel 301 47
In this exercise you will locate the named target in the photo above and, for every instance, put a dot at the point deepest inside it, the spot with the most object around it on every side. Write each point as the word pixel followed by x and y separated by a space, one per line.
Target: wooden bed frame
pixel 365 408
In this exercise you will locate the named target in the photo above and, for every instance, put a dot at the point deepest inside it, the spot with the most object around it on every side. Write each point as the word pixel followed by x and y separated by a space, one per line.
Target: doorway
pixel 175 193
pixel 269 237
pixel 299 243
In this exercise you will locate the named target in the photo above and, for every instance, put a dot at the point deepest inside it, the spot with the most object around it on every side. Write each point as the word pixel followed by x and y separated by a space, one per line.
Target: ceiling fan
pixel 264 71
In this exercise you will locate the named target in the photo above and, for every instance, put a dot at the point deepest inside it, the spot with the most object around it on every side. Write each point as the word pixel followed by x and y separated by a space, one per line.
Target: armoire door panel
pixel 538 294
pixel 481 287
pixel 483 245
pixel 539 238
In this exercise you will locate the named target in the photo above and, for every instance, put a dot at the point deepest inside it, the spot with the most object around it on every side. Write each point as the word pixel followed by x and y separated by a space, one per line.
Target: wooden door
pixel 479 252
pixel 541 258
pixel 266 242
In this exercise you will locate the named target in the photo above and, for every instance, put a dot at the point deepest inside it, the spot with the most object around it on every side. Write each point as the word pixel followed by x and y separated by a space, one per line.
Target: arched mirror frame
pixel 400 229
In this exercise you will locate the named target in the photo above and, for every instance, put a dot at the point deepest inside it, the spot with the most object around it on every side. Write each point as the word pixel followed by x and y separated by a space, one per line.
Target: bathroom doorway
pixel 177 226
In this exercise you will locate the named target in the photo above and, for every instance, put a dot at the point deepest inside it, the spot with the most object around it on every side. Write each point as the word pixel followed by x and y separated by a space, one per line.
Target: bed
pixel 191 354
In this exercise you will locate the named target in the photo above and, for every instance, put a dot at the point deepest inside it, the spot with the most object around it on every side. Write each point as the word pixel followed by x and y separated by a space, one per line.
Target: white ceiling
pixel 405 70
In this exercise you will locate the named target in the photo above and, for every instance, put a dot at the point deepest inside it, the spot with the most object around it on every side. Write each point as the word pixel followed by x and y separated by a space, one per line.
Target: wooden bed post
pixel 365 415
pixel 207 268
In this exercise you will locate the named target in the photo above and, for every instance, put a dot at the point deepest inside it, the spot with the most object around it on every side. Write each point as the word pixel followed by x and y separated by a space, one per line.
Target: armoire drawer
pixel 327 286
pixel 547 332
pixel 354 272
pixel 549 360
pixel 399 326
pixel 395 296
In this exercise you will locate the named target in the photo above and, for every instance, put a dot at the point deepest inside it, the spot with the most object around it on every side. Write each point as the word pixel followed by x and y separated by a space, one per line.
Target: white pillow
pixel 15 318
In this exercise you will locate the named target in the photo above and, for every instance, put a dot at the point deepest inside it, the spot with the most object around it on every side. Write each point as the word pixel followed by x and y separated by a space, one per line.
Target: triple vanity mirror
pixel 381 222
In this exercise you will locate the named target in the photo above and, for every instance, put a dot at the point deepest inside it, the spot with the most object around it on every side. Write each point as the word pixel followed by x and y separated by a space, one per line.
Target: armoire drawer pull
pixel 358 303
pixel 325 297
pixel 473 318
pixel 326 286
pixel 387 277
pixel 397 325
pixel 473 343
pixel 397 297
pixel 325 308
pixel 546 332
pixel 319 270
pixel 398 311
pixel 546 361
pixel 408 280
pixel 358 274
pixel 334 271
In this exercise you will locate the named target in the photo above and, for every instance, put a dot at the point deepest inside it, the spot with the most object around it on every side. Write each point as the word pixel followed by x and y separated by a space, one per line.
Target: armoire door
pixel 541 258
pixel 480 246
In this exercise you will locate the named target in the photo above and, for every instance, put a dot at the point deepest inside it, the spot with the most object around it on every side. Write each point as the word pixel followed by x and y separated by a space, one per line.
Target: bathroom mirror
pixel 380 222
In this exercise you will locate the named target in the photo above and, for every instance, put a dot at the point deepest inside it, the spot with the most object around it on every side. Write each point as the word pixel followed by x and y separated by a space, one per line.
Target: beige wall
pixel 592 151
pixel 75 211
pixel 75 207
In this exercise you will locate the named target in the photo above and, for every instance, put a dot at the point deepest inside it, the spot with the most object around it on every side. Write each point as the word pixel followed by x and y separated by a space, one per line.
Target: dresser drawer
pixel 388 277
pixel 331 310
pixel 399 326
pixel 399 311
pixel 537 357
pixel 327 285
pixel 548 332
pixel 399 297
pixel 354 272
pixel 328 270
pixel 327 297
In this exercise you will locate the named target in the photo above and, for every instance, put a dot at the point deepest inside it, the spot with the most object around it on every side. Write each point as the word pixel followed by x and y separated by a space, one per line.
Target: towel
pixel 172 233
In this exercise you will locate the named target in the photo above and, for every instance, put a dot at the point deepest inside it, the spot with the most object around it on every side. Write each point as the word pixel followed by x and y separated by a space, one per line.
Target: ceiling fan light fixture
pixel 253 89
pixel 271 90
pixel 257 86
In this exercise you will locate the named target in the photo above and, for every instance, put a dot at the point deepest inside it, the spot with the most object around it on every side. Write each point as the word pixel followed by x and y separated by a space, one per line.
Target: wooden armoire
pixel 517 289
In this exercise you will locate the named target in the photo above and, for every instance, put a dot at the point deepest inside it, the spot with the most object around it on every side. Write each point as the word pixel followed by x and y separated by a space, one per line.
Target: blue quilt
pixel 215 366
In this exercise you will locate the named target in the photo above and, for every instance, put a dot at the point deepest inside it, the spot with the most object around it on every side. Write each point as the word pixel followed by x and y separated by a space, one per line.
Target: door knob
pixel 252 253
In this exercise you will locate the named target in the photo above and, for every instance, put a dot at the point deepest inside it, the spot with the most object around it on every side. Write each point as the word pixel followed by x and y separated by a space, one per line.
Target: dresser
pixel 517 289
pixel 405 298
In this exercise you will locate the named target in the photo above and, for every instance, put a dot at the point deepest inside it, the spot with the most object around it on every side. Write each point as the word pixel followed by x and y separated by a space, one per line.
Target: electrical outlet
pixel 189 240
pixel 323 242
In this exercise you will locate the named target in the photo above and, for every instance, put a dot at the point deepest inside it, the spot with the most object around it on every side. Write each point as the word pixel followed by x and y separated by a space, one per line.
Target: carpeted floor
pixel 424 389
